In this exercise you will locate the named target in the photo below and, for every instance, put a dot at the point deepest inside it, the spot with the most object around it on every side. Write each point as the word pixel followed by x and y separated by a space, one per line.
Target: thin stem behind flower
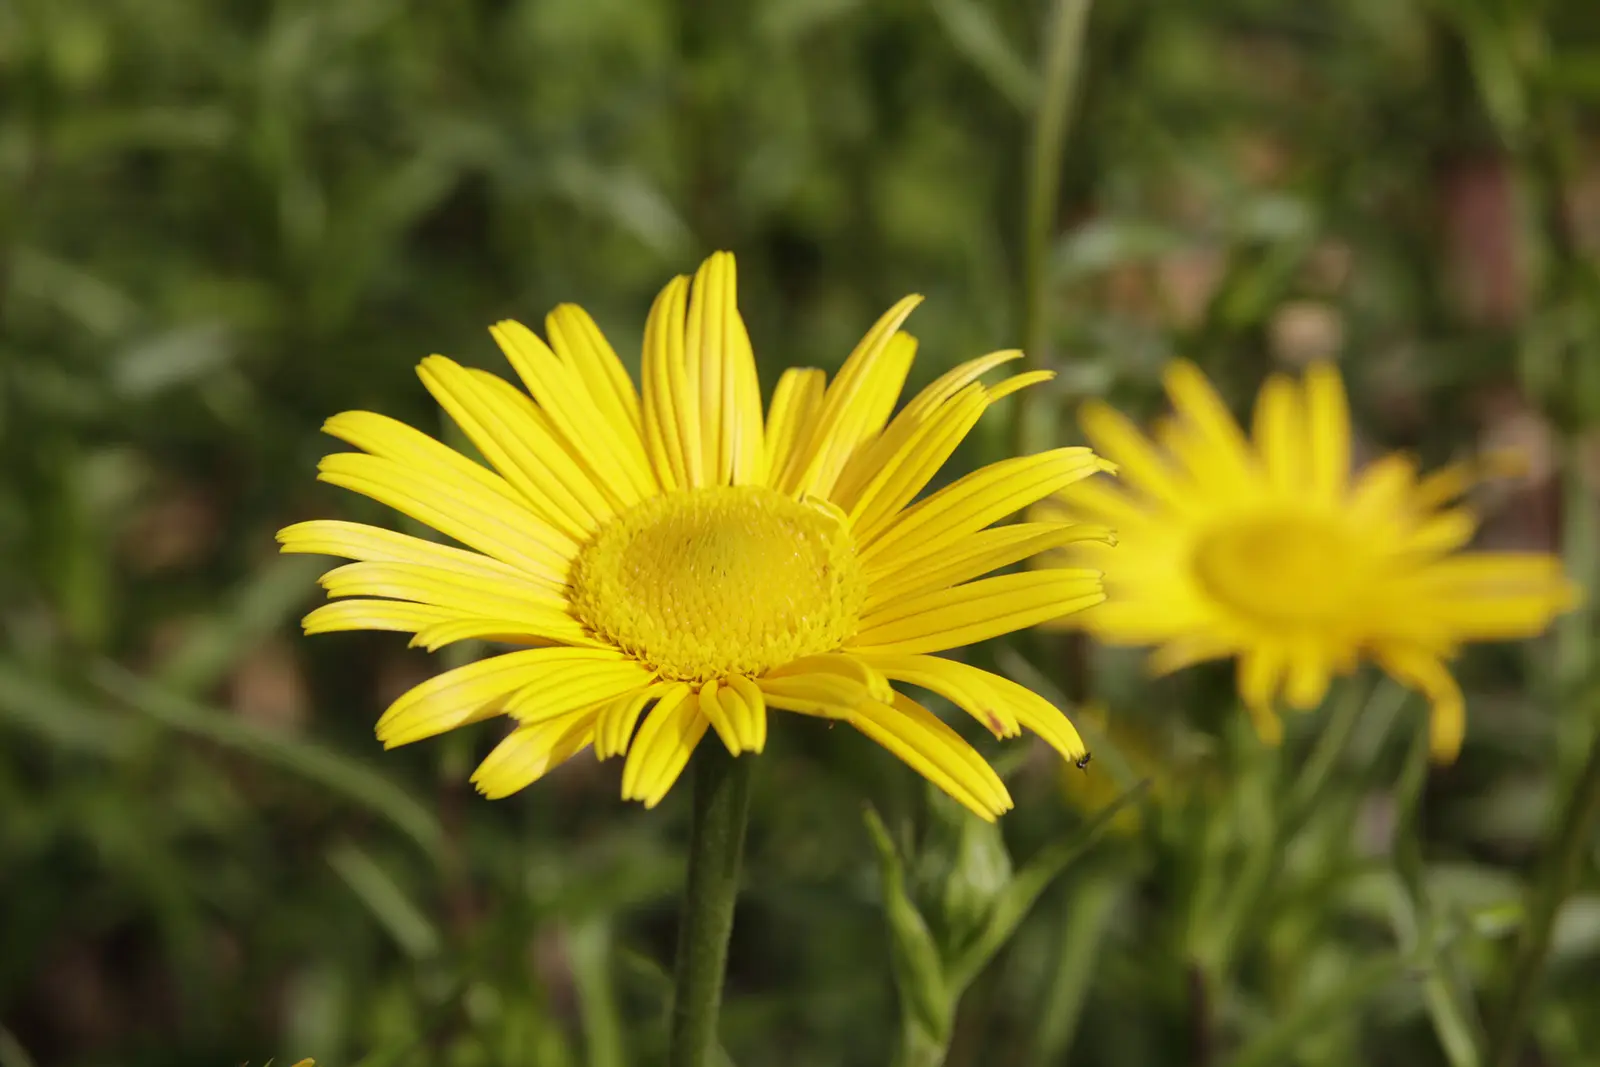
pixel 716 850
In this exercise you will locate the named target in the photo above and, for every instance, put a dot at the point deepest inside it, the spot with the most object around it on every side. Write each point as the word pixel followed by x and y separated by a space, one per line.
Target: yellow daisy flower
pixel 677 552
pixel 1269 550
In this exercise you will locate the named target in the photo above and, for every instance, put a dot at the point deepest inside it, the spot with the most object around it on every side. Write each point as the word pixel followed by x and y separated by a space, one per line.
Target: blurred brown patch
pixel 177 528
pixel 1189 280
pixel 1486 265
pixel 268 687
pixel 1519 513
pixel 1305 331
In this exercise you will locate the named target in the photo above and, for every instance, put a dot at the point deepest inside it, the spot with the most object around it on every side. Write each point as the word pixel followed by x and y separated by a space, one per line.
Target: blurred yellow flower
pixel 681 553
pixel 1269 550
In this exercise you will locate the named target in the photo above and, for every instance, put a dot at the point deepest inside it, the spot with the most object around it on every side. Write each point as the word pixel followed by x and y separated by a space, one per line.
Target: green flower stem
pixel 1556 882
pixel 1052 111
pixel 716 847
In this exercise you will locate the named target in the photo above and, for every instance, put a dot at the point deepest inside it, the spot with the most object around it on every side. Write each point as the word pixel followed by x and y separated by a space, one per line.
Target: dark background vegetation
pixel 222 221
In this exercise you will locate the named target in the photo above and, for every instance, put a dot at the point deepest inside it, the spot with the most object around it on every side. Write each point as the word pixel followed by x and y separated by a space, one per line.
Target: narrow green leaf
pixel 919 974
pixel 37 705
pixel 337 773
pixel 589 945
pixel 973 31
pixel 405 922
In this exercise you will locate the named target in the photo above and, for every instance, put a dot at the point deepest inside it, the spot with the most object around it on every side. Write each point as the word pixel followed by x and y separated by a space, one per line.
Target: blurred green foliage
pixel 222 222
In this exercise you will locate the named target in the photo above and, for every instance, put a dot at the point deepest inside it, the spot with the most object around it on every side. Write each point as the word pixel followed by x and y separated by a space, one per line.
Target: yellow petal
pixel 531 608
pixel 1018 382
pixel 1306 678
pixel 576 681
pixel 950 383
pixel 1198 403
pixel 969 504
pixel 826 695
pixel 531 750
pixel 929 747
pixel 1145 468
pixel 864 465
pixel 662 748
pixel 750 715
pixel 507 631
pixel 1384 488
pixel 901 476
pixel 515 436
pixel 932 622
pixel 1280 434
pixel 610 451
pixel 671 409
pixel 857 404
pixel 581 345
pixel 1445 531
pixel 718 717
pixel 375 615
pixel 874 685
pixel 492 524
pixel 472 693
pixel 999 703
pixel 1102 501
pixel 1260 672
pixel 1327 433
pixel 975 556
pixel 447 588
pixel 1427 674
pixel 1186 650
pixel 950 680
pixel 614 727
pixel 796 403
pixel 354 540
pixel 721 367
pixel 379 435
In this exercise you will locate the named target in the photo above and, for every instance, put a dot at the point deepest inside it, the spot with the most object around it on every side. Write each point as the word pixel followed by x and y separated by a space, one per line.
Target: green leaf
pixel 38 706
pixel 1273 1047
pixel 973 31
pixel 918 972
pixel 1013 905
pixel 589 950
pixel 338 774
pixel 405 922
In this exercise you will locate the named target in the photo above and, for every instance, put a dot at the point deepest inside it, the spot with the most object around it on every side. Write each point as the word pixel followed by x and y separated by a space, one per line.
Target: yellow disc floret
pixel 709 583
pixel 1284 570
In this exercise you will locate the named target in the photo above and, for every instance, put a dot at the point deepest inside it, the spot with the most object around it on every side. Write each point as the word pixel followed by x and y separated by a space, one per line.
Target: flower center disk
pixel 1284 570
pixel 709 583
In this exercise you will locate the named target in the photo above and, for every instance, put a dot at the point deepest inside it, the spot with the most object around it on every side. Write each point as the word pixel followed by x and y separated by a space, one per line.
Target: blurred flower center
pixel 716 582
pixel 1282 569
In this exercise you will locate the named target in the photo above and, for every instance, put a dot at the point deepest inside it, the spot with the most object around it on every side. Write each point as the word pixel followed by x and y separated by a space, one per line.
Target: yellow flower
pixel 679 553
pixel 1269 550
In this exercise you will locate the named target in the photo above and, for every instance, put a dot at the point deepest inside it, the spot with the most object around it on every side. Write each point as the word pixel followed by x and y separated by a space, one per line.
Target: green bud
pixel 961 870
pixel 925 999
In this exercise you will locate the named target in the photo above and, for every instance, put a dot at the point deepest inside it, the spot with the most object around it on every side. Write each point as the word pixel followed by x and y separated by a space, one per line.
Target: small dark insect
pixel 1083 761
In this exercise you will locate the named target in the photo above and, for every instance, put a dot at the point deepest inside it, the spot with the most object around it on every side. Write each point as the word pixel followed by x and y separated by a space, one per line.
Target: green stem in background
pixel 1083 927
pixel 716 847
pixel 1062 59
pixel 1556 882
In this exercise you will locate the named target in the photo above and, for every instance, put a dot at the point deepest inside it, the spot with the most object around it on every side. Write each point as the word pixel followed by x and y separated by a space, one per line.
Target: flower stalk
pixel 716 850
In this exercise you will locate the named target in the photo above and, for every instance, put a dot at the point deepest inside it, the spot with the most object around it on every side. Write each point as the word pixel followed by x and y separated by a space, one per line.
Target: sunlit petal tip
pixel 1268 724
pixel 1504 463
pixel 1018 382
